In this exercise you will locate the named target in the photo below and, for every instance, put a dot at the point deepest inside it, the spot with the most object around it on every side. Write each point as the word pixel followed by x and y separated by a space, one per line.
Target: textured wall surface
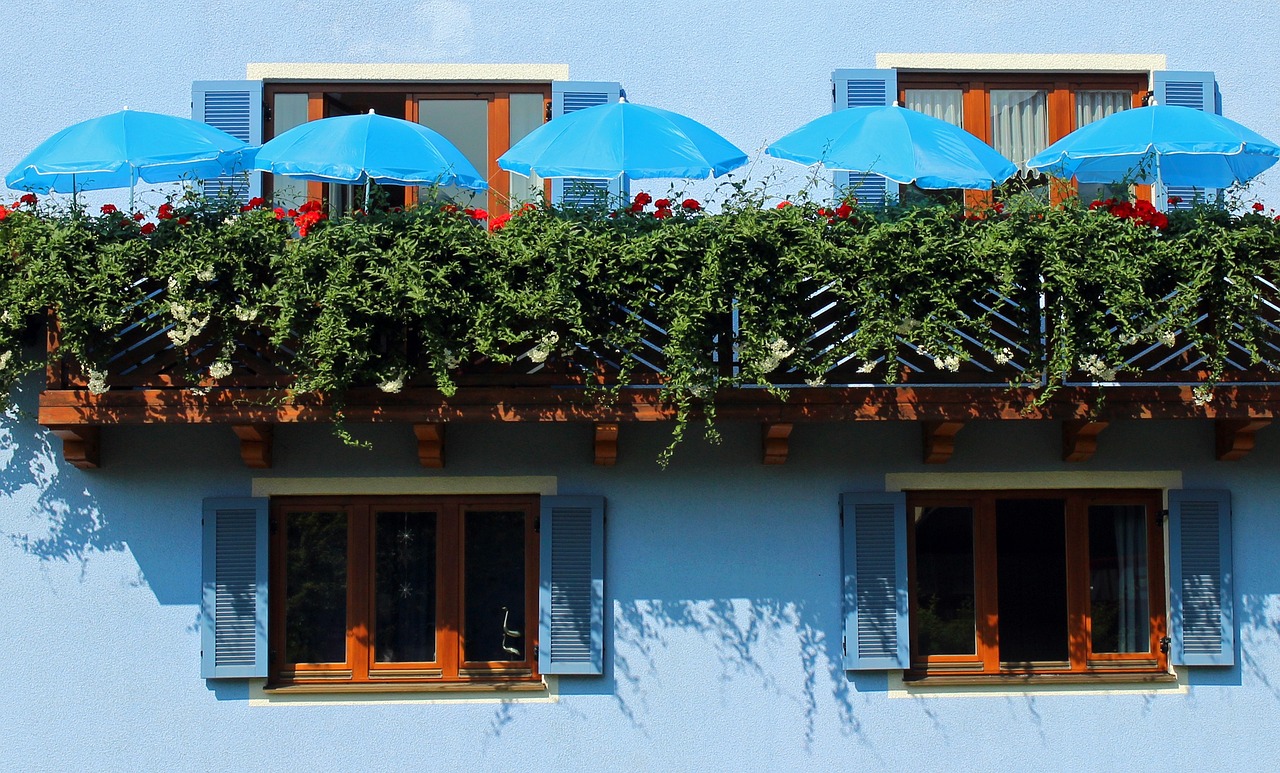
pixel 722 638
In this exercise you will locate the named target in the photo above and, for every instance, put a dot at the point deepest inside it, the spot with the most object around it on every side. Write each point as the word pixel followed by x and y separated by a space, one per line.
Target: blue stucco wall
pixel 724 625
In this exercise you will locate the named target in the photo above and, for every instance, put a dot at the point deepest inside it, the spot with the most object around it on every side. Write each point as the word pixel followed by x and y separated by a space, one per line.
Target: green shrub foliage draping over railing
pixel 668 296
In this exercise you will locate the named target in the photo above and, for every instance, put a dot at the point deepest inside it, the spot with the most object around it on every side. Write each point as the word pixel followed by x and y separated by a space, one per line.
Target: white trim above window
pixel 1163 480
pixel 1025 62
pixel 544 485
pixel 344 71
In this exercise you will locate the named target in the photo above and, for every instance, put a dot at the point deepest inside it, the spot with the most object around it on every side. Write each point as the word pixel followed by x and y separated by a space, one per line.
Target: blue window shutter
pixel 233 600
pixel 874 533
pixel 1201 592
pixel 864 88
pixel 571 592
pixel 236 108
pixel 567 96
pixel 1198 91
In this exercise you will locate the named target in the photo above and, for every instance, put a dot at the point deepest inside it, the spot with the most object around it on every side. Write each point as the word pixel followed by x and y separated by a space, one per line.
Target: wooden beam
pixel 1080 439
pixel 80 446
pixel 1235 437
pixel 430 443
pixel 939 440
pixel 774 438
pixel 606 443
pixel 255 444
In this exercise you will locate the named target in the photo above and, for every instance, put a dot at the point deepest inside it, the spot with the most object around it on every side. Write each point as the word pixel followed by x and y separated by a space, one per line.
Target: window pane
pixel 316 582
pixel 494 586
pixel 945 621
pixel 405 587
pixel 1019 123
pixel 465 123
pixel 1031 569
pixel 943 104
pixel 1092 106
pixel 1118 578
pixel 290 110
pixel 527 112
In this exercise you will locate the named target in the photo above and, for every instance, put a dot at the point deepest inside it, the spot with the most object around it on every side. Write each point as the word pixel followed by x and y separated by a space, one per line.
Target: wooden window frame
pixel 1060 91
pixel 496 93
pixel 361 667
pixel 1082 660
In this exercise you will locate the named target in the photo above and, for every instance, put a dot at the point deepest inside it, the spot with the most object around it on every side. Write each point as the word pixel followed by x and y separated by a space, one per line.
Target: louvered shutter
pixel 864 88
pixel 571 593
pixel 1201 593
pixel 1198 91
pixel 236 108
pixel 566 97
pixel 233 600
pixel 874 532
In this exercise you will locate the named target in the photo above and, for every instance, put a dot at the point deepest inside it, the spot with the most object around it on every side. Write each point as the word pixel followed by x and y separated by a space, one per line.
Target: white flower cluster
pixel 392 385
pixel 1202 395
pixel 907 326
pixel 1004 356
pixel 867 366
pixel 98 382
pixel 245 314
pixel 1095 366
pixel 205 274
pixel 5 357
pixel 1169 338
pixel 187 326
pixel 544 348
pixel 220 370
pixel 950 363
pixel 816 382
pixel 779 350
pixel 451 360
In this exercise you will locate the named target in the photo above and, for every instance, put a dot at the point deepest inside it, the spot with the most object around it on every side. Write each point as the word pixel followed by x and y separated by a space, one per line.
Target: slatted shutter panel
pixel 864 88
pixel 571 593
pixel 1198 91
pixel 566 97
pixel 874 534
pixel 236 108
pixel 233 602
pixel 1201 592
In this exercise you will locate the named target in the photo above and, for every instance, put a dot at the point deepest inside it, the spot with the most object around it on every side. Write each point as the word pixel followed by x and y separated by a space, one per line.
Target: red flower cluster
pixel 109 209
pixel 1175 201
pixel 148 228
pixel 1258 207
pixel 4 212
pixel 783 204
pixel 28 199
pixel 842 212
pixel 138 217
pixel 165 212
pixel 475 213
pixel 254 203
pixel 1141 212
pixel 307 216
pixel 498 222
pixel 691 204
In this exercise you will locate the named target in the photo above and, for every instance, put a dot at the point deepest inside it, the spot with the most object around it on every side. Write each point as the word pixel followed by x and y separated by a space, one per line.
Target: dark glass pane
pixel 405 587
pixel 945 621
pixel 1031 559
pixel 1118 578
pixel 316 579
pixel 495 624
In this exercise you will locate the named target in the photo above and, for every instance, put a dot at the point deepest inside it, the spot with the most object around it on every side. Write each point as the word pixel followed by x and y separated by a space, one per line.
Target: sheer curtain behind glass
pixel 1093 106
pixel 1019 123
pixel 943 104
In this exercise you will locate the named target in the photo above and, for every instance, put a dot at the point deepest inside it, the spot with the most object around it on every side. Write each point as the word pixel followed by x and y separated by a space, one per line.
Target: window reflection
pixel 405 587
pixel 316 582
pixel 495 587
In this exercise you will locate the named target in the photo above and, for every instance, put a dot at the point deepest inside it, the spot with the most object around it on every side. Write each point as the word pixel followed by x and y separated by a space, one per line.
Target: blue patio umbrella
pixel 622 138
pixel 1165 143
pixel 905 146
pixel 368 148
pixel 117 150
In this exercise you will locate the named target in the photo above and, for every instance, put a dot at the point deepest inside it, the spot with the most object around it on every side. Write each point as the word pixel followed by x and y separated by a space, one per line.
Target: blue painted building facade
pixel 723 601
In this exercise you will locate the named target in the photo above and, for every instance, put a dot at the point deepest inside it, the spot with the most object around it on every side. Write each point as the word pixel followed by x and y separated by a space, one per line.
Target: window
pixel 482 119
pixel 1031 582
pixel 415 589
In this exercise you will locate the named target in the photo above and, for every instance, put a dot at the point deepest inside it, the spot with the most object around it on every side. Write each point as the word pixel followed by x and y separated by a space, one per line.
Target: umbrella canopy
pixel 116 150
pixel 905 146
pixel 359 149
pixel 622 138
pixel 1177 145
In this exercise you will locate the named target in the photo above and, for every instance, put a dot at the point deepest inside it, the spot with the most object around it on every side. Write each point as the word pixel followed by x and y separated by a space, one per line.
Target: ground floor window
pixel 1036 582
pixel 403 589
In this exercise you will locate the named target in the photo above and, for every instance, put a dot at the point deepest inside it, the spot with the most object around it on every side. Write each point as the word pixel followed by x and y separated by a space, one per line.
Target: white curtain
pixel 1019 123
pixel 943 104
pixel 1094 105
pixel 1131 585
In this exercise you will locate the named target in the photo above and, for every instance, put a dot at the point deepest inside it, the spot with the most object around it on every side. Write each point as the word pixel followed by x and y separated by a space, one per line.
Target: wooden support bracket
pixel 80 446
pixel 939 440
pixel 430 443
pixel 606 443
pixel 255 444
pixel 775 440
pixel 1080 439
pixel 1235 437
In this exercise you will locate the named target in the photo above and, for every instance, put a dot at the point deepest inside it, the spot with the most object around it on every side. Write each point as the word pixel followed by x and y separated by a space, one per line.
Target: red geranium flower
pixel 109 209
pixel 139 217
pixel 783 204
pixel 1175 201
pixel 256 201
pixel 662 203
pixel 279 213
pixel 636 208
pixel 842 211
pixel 450 208
pixel 29 198
pixel 1257 206
pixel 662 212
pixel 498 222
pixel 526 207
pixel 292 213
pixel 184 221
pixel 691 204
pixel 4 212
pixel 147 228
pixel 165 212
pixel 642 199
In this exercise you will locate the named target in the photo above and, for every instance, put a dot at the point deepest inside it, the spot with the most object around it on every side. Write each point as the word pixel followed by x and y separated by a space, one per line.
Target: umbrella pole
pixel 368 188
pixel 133 180
pixel 75 208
